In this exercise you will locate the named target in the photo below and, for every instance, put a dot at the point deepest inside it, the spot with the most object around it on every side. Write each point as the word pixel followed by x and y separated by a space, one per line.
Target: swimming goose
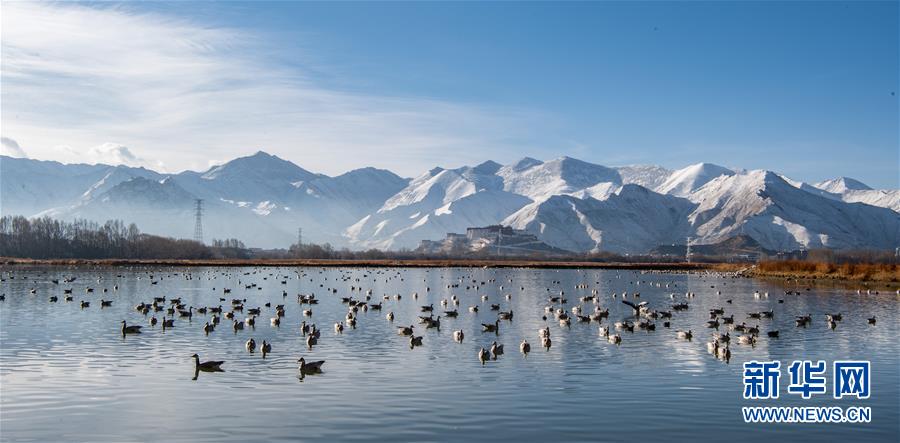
pixel 433 323
pixel 544 332
pixel 207 365
pixel 250 345
pixel 452 314
pixel 130 329
pixel 615 339
pixel 599 315
pixel 276 321
pixel 311 340
pixel 85 304
pixel 207 328
pixel 153 321
pixel 237 326
pixel 546 342
pixel 250 321
pixel 604 331
pixel 747 340
pixel 872 321
pixel 168 323
pixel 390 316
pixel 803 320
pixel 687 335
pixel 105 303
pixel 403 330
pixel 265 348
pixel 524 347
pixel 496 349
pixel 458 335
pixel 723 352
pixel 415 341
pixel 772 334
pixel 637 308
pixel 483 355
pixel 486 327
pixel 310 367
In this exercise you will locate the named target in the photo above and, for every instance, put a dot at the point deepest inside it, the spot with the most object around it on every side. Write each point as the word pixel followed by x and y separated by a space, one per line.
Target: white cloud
pixel 176 90
pixel 11 148
pixel 110 154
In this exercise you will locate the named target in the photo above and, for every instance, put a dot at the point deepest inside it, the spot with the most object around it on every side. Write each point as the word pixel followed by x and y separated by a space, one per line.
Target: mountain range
pixel 567 203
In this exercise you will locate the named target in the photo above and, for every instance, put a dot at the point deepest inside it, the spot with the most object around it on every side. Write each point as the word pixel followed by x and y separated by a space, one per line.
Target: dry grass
pixel 882 272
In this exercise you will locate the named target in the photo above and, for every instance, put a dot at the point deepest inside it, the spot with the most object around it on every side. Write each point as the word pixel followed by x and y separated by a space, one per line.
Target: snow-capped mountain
pixel 568 203
pixel 781 216
pixel 632 219
pixel 435 203
pixel 687 180
pixel 841 185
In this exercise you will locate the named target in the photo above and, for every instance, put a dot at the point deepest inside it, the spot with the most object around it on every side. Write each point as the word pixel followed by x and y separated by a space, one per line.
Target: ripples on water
pixel 66 374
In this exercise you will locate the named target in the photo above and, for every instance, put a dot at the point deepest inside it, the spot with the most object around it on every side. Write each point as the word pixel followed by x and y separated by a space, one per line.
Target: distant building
pixel 494 240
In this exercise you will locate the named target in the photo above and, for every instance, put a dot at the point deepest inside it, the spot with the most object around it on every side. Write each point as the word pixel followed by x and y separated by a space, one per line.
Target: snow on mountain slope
pixel 437 202
pixel 851 191
pixel 782 217
pixel 255 178
pixel 648 176
pixel 115 176
pixel 163 207
pixel 565 175
pixel 631 220
pixel 885 198
pixel 686 180
pixel 28 187
pixel 363 189
pixel 841 185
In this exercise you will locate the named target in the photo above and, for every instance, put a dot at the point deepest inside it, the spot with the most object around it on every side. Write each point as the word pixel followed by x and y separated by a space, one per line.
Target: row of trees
pixel 43 238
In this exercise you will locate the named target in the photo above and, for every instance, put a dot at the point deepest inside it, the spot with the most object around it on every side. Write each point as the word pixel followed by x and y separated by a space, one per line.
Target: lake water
pixel 67 374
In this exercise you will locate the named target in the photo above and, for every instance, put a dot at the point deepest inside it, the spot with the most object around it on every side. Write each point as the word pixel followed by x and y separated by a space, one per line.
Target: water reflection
pixel 57 359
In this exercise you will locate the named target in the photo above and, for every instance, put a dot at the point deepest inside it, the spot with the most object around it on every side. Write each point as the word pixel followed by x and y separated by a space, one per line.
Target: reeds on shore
pixel 886 272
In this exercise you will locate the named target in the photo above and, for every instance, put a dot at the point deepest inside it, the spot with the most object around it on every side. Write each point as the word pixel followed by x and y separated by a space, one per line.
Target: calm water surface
pixel 67 374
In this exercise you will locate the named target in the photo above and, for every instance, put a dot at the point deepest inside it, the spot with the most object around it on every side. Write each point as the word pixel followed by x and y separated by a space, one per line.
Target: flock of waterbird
pixel 585 310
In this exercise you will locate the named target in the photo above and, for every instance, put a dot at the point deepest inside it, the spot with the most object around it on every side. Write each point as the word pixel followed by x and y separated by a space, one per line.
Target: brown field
pixel 877 272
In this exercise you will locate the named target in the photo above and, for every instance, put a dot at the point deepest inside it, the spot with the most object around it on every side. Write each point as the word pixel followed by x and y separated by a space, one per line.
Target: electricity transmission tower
pixel 299 237
pixel 687 254
pixel 198 220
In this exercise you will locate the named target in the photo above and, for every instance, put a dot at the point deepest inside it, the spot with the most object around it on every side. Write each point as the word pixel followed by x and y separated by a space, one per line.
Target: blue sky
pixel 803 88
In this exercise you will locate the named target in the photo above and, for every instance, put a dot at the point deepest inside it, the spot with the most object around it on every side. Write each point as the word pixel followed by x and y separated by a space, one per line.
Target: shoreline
pixel 373 263
pixel 739 269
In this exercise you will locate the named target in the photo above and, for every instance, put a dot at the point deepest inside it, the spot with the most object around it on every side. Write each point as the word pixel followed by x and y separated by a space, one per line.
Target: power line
pixel 198 220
